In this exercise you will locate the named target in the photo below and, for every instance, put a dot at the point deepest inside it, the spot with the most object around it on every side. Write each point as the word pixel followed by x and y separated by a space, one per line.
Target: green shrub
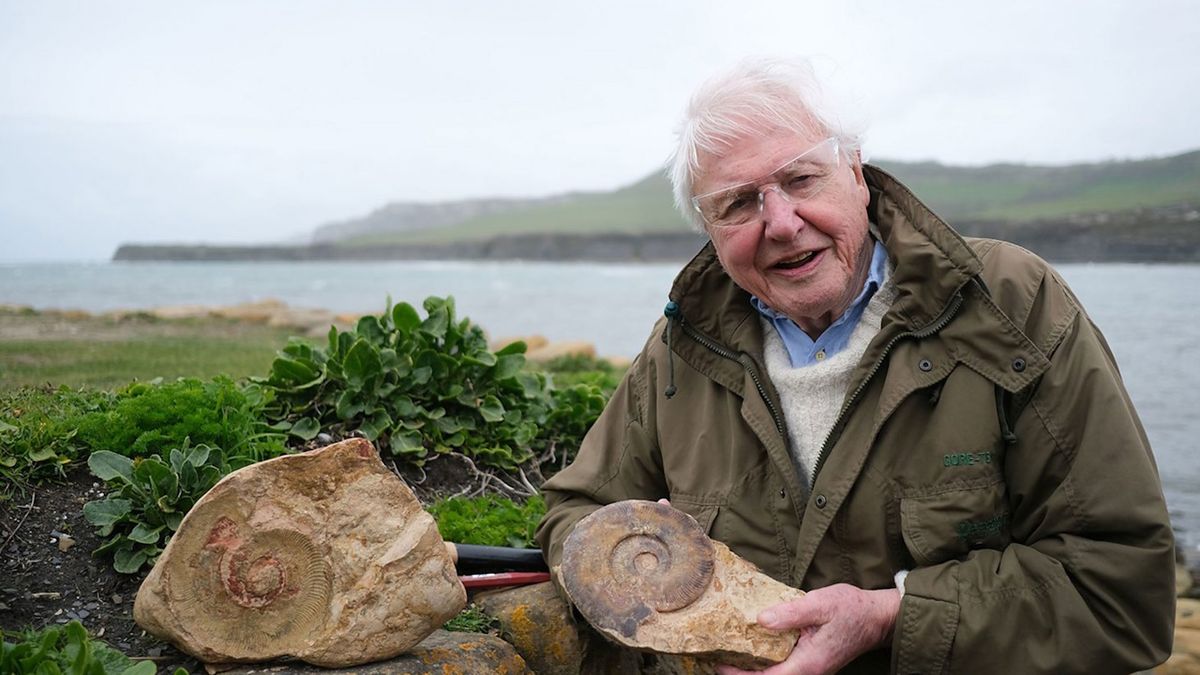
pixel 66 649
pixel 414 386
pixel 151 418
pixel 575 410
pixel 147 499
pixel 488 520
pixel 573 369
pixel 37 431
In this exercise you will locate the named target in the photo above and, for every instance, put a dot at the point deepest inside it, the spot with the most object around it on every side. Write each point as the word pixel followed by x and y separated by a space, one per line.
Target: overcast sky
pixel 242 121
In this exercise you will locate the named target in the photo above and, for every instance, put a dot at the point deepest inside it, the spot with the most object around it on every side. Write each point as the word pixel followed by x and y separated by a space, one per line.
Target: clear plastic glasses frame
pixel 799 179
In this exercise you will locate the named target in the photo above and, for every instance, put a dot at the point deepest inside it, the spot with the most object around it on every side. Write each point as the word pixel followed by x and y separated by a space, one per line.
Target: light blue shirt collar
pixel 805 351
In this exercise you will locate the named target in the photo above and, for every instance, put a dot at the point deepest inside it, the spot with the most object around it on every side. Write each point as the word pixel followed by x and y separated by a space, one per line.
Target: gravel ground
pixel 41 584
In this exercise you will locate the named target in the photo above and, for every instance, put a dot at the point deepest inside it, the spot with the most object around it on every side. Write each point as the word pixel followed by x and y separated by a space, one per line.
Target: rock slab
pixel 442 653
pixel 324 556
pixel 646 576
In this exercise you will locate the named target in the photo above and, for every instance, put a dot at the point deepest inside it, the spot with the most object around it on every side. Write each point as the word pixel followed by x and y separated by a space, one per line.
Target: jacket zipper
pixel 839 425
pixel 742 359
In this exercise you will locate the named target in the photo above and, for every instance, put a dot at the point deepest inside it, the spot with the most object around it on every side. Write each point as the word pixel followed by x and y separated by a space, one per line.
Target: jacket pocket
pixel 945 522
pixel 703 514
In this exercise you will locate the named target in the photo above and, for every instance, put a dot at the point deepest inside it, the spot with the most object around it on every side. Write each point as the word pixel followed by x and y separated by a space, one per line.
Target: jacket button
pixel 925 365
pixel 820 501
pixel 782 494
pixel 1018 364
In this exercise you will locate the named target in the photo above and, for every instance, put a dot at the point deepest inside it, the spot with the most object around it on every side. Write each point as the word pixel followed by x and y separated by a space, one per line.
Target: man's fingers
pixel 664 502
pixel 798 613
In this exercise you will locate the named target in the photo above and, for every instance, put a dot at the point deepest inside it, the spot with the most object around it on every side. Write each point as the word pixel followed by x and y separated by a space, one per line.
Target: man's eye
pixel 739 202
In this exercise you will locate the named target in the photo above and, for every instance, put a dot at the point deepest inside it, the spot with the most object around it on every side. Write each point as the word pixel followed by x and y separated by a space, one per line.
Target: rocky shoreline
pixel 308 322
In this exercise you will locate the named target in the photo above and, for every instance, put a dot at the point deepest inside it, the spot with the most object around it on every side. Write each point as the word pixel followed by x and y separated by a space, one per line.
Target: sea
pixel 1147 313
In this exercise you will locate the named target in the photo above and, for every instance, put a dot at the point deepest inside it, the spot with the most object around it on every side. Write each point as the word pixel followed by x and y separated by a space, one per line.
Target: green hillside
pixel 1015 192
pixel 1000 192
pixel 645 206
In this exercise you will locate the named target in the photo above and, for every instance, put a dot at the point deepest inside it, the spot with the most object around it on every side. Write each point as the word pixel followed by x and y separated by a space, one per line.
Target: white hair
pixel 757 96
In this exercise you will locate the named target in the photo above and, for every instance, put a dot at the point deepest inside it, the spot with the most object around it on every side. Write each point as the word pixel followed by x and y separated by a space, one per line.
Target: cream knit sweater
pixel 812 395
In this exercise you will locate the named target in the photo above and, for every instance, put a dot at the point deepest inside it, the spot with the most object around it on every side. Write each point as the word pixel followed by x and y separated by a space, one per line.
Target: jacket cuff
pixel 927 624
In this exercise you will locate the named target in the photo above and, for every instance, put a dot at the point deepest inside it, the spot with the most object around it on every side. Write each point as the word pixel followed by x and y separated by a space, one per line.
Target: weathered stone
pixel 538 622
pixel 1187 613
pixel 555 350
pixel 1179 664
pixel 182 312
pixel 670 664
pixel 324 556
pixel 532 342
pixel 301 318
pixel 442 653
pixel 252 312
pixel 648 577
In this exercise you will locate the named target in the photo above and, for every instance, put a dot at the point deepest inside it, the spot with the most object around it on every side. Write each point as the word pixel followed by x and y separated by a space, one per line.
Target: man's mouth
pixel 798 261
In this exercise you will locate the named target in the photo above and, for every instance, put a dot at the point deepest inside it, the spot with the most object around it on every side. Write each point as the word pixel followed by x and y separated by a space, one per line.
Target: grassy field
pixel 37 349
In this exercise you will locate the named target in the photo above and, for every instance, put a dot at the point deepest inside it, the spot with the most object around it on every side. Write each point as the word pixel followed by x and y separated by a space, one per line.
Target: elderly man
pixel 925 432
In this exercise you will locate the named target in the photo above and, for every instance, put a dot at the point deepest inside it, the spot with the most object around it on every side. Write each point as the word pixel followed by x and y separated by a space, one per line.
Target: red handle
pixel 503 579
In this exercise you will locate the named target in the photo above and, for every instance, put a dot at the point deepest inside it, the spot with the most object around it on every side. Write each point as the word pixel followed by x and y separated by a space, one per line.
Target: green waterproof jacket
pixel 986 443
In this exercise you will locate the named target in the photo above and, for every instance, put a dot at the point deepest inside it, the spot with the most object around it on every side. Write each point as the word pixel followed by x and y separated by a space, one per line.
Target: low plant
pixel 414 386
pixel 572 369
pixel 147 498
pixel 152 417
pixel 66 649
pixel 472 620
pixel 37 432
pixel 574 411
pixel 489 520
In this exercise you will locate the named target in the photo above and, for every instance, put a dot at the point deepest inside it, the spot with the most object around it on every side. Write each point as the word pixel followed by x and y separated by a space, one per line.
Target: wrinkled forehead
pixel 752 155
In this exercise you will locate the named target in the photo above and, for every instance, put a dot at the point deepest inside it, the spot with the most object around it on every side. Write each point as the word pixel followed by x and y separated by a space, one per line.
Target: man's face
pixel 808 259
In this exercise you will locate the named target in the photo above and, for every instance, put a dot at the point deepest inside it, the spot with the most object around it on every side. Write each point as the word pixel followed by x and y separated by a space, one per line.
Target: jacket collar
pixel 932 262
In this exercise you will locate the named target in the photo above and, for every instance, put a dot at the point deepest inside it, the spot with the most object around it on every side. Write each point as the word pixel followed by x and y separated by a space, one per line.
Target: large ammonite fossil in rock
pixel 646 575
pixel 324 556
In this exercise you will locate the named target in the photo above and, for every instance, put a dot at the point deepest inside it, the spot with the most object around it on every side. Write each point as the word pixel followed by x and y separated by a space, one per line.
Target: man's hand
pixel 836 624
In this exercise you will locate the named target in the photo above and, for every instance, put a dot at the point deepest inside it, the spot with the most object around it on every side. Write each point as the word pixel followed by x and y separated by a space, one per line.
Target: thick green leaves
pixel 110 466
pixel 128 561
pixel 415 384
pixel 42 454
pixel 405 318
pixel 147 500
pixel 143 534
pixel 491 410
pixel 508 365
pixel 361 364
pixel 295 371
pixel 306 428
pixel 107 512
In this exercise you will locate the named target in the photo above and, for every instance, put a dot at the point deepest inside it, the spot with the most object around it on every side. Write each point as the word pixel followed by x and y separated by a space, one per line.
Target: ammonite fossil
pixel 648 577
pixel 629 559
pixel 325 556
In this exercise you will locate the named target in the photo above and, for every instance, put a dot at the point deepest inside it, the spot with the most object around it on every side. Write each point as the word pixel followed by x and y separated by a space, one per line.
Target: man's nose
pixel 778 213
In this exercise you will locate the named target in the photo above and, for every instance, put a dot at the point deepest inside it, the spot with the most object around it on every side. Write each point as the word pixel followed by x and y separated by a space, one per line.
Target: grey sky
pixel 256 121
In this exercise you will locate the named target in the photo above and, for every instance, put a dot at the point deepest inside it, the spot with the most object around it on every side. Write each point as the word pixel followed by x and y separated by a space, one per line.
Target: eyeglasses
pixel 798 180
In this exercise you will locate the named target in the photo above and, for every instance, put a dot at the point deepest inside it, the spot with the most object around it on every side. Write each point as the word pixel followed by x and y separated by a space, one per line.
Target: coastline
pixel 1148 235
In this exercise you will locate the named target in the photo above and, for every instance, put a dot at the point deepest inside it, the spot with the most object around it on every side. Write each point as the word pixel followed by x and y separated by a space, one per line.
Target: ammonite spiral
pixel 252 586
pixel 632 558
